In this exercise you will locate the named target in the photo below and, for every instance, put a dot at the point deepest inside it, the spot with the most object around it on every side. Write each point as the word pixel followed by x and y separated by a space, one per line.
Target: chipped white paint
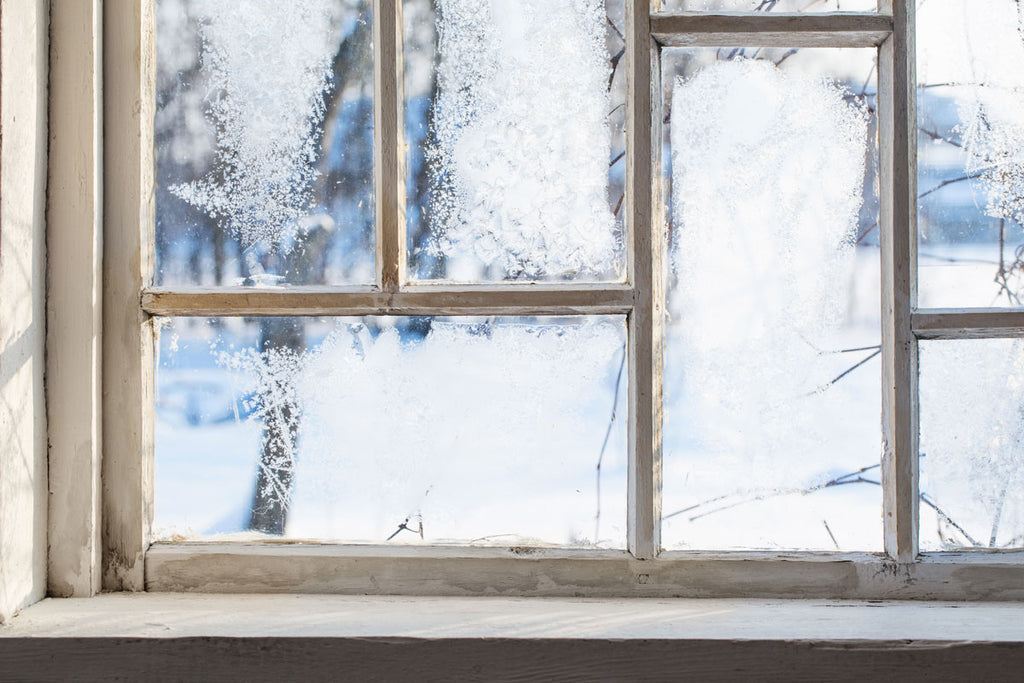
pixel 129 77
pixel 381 570
pixel 693 29
pixel 172 615
pixel 897 144
pixel 74 226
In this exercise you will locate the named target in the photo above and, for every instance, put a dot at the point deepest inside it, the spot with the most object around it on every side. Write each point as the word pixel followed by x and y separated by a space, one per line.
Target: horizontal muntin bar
pixel 968 323
pixel 693 29
pixel 525 571
pixel 518 299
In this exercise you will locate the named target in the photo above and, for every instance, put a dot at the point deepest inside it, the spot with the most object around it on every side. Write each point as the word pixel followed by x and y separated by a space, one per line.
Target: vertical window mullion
pixel 129 101
pixel 897 146
pixel 388 145
pixel 644 272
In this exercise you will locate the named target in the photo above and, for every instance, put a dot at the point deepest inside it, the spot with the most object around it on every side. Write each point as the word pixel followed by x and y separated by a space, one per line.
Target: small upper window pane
pixel 970 153
pixel 514 127
pixel 264 142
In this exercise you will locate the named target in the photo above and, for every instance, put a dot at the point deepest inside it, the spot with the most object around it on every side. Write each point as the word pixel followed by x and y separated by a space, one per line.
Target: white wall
pixel 23 138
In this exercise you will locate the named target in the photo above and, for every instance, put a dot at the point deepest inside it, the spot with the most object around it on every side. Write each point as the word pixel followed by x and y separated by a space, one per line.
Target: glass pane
pixel 769 5
pixel 772 433
pixel 514 118
pixel 972 444
pixel 264 143
pixel 970 153
pixel 508 431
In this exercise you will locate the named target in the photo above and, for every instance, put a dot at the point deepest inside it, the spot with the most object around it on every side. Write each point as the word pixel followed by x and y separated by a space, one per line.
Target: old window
pixel 603 287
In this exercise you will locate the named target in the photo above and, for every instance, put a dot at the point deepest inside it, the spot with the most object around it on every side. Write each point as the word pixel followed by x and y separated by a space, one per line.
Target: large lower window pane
pixel 264 142
pixel 514 120
pixel 507 431
pixel 970 152
pixel 772 395
pixel 972 444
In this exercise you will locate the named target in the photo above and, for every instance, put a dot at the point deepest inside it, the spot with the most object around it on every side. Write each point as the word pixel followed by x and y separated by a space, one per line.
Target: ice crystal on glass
pixel 268 380
pixel 267 76
pixel 972 444
pixel 768 170
pixel 472 427
pixel 521 143
pixel 974 51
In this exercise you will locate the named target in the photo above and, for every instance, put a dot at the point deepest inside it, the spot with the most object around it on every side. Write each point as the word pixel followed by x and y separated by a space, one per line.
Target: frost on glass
pixel 772 432
pixel 972 444
pixel 970 152
pixel 510 174
pixel 769 5
pixel 264 142
pixel 503 431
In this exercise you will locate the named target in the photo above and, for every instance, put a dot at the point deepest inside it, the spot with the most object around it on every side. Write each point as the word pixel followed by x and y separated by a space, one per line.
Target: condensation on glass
pixel 264 143
pixel 514 123
pixel 972 444
pixel 487 431
pixel 768 5
pixel 772 435
pixel 970 153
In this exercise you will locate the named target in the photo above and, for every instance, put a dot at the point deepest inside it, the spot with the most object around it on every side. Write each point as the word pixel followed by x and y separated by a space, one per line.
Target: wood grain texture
pixel 968 323
pixel 389 146
pixel 897 128
pixel 23 163
pixel 502 659
pixel 644 272
pixel 129 101
pixel 375 570
pixel 74 297
pixel 410 300
pixel 176 615
pixel 692 29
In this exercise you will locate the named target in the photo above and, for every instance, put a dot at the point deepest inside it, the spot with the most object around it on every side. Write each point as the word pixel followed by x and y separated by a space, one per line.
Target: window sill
pixel 281 636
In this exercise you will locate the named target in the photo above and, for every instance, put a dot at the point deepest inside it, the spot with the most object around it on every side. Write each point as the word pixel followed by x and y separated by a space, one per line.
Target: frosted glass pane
pixel 970 153
pixel 772 393
pixel 769 5
pixel 471 431
pixel 972 444
pixel 515 117
pixel 264 142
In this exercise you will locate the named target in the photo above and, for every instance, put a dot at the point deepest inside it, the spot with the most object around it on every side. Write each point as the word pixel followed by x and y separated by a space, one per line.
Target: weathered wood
pixel 23 76
pixel 388 144
pixel 74 297
pixel 384 570
pixel 129 77
pixel 693 29
pixel 968 323
pixel 643 144
pixel 411 300
pixel 503 659
pixel 897 126
pixel 170 615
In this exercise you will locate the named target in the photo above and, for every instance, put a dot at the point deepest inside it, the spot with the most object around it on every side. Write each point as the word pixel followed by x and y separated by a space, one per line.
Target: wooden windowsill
pixel 168 636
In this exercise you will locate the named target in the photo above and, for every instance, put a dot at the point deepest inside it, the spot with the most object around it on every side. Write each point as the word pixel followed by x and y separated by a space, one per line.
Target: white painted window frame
pixel 116 485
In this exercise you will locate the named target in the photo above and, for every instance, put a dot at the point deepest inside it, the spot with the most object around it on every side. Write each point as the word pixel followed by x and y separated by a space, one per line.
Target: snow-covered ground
pixel 481 432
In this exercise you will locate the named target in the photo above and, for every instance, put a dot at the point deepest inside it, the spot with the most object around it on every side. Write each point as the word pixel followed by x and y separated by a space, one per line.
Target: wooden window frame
pixel 122 478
